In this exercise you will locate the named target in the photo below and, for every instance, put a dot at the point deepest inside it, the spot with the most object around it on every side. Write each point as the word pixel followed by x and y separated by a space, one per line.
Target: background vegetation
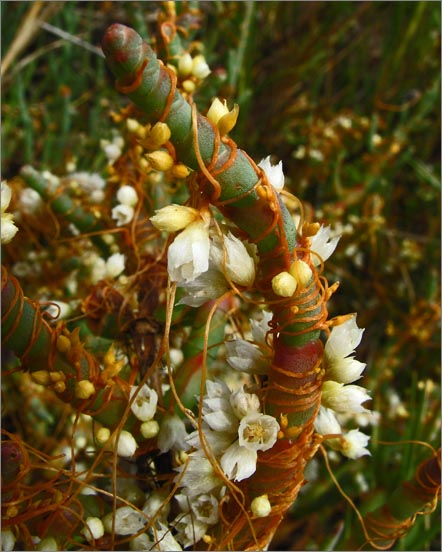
pixel 347 94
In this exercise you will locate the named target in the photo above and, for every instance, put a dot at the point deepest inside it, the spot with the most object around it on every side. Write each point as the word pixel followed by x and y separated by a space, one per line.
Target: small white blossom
pixel 274 173
pixel 188 255
pixel 195 517
pixel 48 544
pixel 141 542
pixel 211 284
pixel 8 228
pixel 323 245
pixel 326 422
pixel 343 340
pixel 261 326
pixel 30 201
pixel 94 528
pixel 89 182
pixel 164 540
pixel 127 445
pixel 122 214
pixel 127 195
pixel 7 540
pixel 200 69
pixel 128 521
pixel 258 431
pixel 239 265
pixel 172 435
pixel 115 265
pixel 244 403
pixel 145 404
pixel 353 444
pixel 239 462
pixel 344 398
pixel 199 476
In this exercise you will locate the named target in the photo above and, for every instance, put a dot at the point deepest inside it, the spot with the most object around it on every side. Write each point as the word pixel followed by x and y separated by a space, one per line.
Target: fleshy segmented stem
pixel 229 179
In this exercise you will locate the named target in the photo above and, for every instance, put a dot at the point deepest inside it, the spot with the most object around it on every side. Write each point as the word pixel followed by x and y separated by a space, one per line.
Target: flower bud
pixel 159 134
pixel 189 86
pixel 200 69
pixel 261 506
pixel 94 528
pixel 185 65
pixel 160 160
pixel 84 389
pixel 127 445
pixel 284 284
pixel 127 195
pixel 150 429
pixel 132 125
pixel 102 436
pixel 301 271
pixel 180 171
pixel 174 217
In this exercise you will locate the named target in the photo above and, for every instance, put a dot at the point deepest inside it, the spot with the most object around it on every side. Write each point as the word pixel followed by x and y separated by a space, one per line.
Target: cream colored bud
pixel 127 445
pixel 261 506
pixel 159 134
pixel 41 377
pixel 284 284
pixel 84 389
pixel 301 271
pixel 189 86
pixel 63 344
pixel 180 171
pixel 60 387
pixel 102 436
pixel 132 125
pixel 160 160
pixel 150 429
pixel 185 65
pixel 174 217
pixel 200 69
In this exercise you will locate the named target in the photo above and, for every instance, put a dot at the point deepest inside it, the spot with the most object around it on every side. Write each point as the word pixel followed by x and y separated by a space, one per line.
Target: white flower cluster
pixel 234 430
pixel 124 211
pixel 341 369
pixel 201 261
pixel 8 228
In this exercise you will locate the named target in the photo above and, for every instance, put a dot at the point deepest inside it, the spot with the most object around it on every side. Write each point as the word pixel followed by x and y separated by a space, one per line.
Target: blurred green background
pixel 347 94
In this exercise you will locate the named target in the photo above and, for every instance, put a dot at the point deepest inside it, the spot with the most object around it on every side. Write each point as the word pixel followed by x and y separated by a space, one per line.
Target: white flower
pixel 126 445
pixel 344 398
pixel 30 201
pixel 199 476
pixel 8 228
pixel 123 214
pixel 127 195
pixel 258 431
pixel 145 404
pixel 211 284
pixel 353 444
pixel 7 540
pixel 326 422
pixel 173 218
pixel 115 265
pixel 172 435
pixel 322 245
pixel 274 173
pixel 94 528
pixel 164 540
pixel 188 255
pixel 141 542
pixel 128 521
pixel 239 462
pixel 89 182
pixel 343 340
pixel 200 69
pixel 260 326
pixel 239 265
pixel 244 403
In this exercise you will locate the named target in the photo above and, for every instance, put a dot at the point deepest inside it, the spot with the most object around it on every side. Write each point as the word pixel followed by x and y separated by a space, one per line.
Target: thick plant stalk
pixel 414 497
pixel 231 181
pixel 57 358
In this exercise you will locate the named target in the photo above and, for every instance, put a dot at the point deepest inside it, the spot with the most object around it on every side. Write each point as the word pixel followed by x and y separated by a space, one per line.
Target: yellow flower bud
pixel 180 171
pixel 301 271
pixel 132 125
pixel 84 389
pixel 41 377
pixel 150 429
pixel 174 217
pixel 60 387
pixel 284 284
pixel 189 86
pixel 159 134
pixel 217 110
pixel 160 160
pixel 63 344
pixel 103 435
pixel 261 506
pixel 228 121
